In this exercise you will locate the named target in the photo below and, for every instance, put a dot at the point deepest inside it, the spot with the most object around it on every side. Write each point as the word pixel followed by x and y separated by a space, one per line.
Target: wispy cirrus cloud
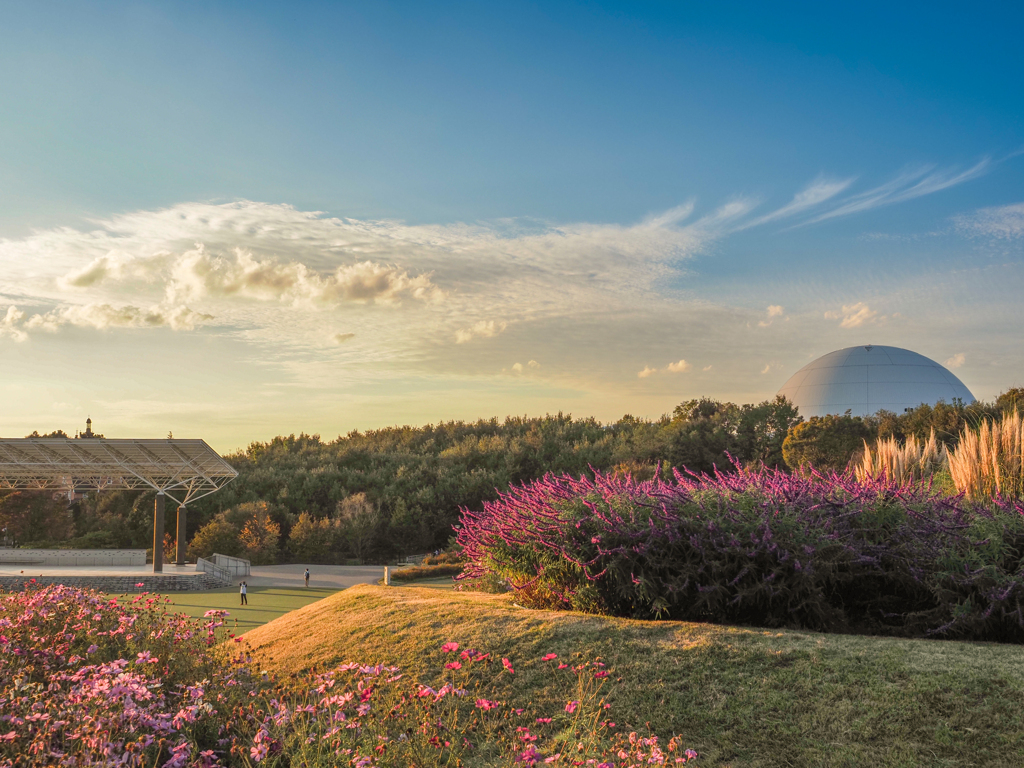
pixel 814 195
pixel 1004 222
pixel 906 186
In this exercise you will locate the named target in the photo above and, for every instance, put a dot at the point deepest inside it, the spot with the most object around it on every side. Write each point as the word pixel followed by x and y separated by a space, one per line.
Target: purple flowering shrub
pixel 759 547
pixel 90 681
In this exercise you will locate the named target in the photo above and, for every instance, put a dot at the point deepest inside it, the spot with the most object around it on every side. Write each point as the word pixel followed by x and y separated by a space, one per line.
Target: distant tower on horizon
pixel 88 430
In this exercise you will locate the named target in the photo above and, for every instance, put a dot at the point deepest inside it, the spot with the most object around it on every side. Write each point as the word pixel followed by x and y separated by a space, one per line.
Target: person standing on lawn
pixel 306 576
pixel 244 592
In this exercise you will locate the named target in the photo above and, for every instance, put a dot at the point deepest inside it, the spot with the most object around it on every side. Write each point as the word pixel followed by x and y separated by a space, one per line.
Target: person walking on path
pixel 244 592
pixel 306 576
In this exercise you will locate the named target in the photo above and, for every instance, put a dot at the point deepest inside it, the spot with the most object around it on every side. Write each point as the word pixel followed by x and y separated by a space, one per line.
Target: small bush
pixel 426 572
pixel 448 557
pixel 759 547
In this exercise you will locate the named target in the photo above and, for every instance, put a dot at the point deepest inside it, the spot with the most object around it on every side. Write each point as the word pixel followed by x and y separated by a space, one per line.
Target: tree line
pixel 383 493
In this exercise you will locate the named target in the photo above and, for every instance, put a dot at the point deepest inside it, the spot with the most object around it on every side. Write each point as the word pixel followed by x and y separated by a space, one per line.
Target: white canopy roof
pixel 183 469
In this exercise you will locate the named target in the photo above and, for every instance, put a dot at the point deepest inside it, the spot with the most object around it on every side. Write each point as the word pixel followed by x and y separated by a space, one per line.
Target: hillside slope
pixel 738 696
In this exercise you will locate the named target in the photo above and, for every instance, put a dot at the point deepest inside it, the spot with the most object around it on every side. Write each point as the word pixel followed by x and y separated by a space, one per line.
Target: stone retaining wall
pixel 119 585
pixel 70 558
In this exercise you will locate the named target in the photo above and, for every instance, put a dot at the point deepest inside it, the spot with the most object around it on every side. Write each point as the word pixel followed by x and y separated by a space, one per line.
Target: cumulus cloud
pixel 101 317
pixel 481 329
pixel 956 360
pixel 519 368
pixel 856 315
pixel 679 366
pixel 10 325
pixel 198 274
pixel 773 311
pixel 1002 223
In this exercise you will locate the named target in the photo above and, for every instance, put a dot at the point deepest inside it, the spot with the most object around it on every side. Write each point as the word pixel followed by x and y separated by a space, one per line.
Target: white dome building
pixel 865 380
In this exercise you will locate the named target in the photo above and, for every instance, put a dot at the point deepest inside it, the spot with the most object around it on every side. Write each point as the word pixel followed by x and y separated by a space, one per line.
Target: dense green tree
pixel 216 537
pixel 1011 400
pixel 36 516
pixel 826 442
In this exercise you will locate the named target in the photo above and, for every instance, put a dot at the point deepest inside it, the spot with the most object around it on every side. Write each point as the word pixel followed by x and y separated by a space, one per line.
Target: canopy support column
pixel 180 549
pixel 158 533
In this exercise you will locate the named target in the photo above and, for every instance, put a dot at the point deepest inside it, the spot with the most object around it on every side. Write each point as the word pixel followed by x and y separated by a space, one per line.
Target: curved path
pixel 321 576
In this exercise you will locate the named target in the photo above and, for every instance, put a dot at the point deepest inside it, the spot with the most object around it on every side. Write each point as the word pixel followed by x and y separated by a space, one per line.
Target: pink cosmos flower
pixel 571 706
pixel 543 719
pixel 453 665
pixel 563 666
pixel 550 656
pixel 140 585
pixel 486 704
pixel 508 665
pixel 600 674
pixel 449 647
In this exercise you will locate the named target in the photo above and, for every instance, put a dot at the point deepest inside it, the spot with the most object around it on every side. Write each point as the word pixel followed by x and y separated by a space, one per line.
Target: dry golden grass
pixel 741 697
pixel 914 460
pixel 989 460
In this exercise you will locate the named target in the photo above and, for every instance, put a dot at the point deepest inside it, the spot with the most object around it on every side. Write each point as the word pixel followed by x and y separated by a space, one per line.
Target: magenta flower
pixel 140 585
pixel 449 647
pixel 453 665
pixel 550 656
pixel 571 706
pixel 508 665
pixel 486 704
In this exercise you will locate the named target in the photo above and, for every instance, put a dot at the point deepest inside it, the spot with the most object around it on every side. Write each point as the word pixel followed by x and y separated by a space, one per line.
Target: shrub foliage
pixel 759 547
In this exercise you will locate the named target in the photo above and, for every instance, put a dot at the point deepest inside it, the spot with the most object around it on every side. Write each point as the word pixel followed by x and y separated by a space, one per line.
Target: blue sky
pixel 388 207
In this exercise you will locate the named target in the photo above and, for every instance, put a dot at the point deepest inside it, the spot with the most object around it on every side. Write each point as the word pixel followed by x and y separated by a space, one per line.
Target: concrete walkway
pixel 321 576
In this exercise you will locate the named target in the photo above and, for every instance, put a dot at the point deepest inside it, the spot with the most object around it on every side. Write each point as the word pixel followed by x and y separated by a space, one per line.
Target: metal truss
pixel 185 470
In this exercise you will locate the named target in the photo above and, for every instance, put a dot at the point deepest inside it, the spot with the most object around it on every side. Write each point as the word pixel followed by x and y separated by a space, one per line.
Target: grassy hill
pixel 738 696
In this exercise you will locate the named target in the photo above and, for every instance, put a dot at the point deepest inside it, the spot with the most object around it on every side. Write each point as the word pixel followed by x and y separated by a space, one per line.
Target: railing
pixel 222 574
pixel 236 566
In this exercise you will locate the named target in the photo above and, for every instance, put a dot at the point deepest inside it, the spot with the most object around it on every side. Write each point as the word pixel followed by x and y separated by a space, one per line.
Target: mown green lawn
pixel 265 604
pixel 739 696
